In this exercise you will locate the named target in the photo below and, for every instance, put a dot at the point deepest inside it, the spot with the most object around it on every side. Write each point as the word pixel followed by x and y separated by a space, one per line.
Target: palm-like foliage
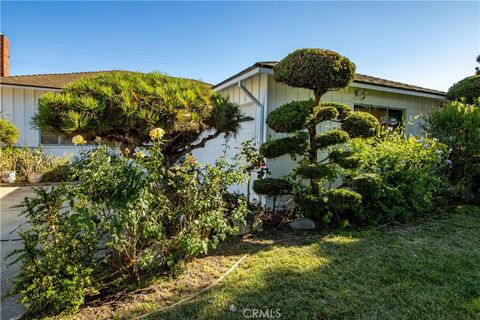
pixel 122 107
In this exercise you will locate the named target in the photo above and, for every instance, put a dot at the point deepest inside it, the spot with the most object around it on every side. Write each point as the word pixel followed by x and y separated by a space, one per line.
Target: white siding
pixel 18 105
pixel 413 106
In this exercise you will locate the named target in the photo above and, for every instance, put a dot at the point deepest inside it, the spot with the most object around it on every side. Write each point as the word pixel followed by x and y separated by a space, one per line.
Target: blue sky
pixel 431 44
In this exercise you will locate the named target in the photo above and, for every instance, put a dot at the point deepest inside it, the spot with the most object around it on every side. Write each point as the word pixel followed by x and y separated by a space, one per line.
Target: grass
pixel 426 270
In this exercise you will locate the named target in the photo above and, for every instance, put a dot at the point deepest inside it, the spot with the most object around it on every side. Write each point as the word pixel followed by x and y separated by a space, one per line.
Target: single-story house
pixel 253 88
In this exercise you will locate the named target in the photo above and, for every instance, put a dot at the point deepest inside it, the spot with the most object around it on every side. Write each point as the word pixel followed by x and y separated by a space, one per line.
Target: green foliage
pixel 316 171
pixel 122 107
pixel 361 124
pixel 8 159
pixel 332 137
pixel 8 132
pixel 127 219
pixel 398 178
pixel 343 200
pixel 322 113
pixel 317 69
pixel 27 161
pixel 458 126
pixel 57 258
pixel 294 145
pixel 272 186
pixel 467 89
pixel 291 116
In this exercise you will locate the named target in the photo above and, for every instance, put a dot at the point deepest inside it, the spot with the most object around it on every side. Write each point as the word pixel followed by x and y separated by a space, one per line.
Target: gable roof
pixel 359 78
pixel 50 80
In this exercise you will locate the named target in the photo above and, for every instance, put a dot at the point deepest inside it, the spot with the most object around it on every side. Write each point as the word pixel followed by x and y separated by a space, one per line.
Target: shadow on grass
pixel 430 271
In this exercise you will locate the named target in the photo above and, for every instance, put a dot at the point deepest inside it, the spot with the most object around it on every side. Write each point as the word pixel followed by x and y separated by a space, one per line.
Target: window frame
pixel 388 108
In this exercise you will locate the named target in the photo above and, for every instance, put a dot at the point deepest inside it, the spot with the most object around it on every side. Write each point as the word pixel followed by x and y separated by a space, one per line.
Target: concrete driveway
pixel 10 222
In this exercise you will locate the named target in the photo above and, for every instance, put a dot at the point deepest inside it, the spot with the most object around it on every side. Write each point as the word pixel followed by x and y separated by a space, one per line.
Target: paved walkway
pixel 10 222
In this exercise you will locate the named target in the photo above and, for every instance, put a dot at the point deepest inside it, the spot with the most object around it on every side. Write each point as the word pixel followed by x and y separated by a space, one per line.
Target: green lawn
pixel 426 270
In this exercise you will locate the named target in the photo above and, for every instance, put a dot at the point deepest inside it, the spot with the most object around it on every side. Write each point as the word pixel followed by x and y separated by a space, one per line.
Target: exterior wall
pixel 253 129
pixel 18 105
pixel 413 106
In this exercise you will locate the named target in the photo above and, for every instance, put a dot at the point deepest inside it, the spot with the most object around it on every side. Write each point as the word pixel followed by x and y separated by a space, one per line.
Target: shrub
pixel 316 171
pixel 343 203
pixel 290 117
pixel 8 132
pixel 127 219
pixel 272 186
pixel 361 124
pixel 315 69
pixel 467 89
pixel 332 137
pixel 289 145
pixel 457 125
pixel 398 178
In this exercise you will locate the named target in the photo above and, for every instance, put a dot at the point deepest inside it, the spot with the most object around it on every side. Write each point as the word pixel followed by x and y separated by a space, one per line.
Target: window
pixel 52 139
pixel 390 118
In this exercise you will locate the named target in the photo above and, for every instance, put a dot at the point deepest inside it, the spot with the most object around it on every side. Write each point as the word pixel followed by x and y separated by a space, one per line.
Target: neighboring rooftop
pixel 50 80
pixel 359 78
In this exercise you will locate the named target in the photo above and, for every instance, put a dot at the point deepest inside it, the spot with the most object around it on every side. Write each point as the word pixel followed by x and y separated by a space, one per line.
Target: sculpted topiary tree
pixel 321 71
pixel 122 107
pixel 467 89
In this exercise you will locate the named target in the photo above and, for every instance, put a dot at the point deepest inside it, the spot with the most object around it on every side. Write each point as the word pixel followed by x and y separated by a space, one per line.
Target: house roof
pixel 50 80
pixel 359 78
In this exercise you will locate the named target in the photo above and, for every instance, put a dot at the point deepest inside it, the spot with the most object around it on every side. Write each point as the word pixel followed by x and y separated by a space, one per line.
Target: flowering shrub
pixel 123 220
pixel 398 177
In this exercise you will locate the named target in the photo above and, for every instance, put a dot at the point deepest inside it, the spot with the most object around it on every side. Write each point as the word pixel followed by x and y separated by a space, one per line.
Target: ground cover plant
pixel 123 221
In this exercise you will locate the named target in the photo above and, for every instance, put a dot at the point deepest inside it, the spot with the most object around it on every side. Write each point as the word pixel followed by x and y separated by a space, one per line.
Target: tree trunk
pixel 313 152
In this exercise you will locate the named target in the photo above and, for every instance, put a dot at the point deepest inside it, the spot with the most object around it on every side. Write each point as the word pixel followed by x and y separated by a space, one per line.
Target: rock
pixel 302 224
pixel 469 197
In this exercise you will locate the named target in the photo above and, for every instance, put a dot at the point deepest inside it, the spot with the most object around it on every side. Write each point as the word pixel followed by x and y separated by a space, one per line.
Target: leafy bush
pixel 289 145
pixel 467 89
pixel 361 124
pixel 332 137
pixel 58 169
pixel 123 220
pixel 290 117
pixel 315 69
pixel 8 132
pixel 458 126
pixel 272 186
pixel 399 176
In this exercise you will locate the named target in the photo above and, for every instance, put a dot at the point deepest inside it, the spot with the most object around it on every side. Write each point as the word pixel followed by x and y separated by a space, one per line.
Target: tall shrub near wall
pixel 399 176
pixel 320 71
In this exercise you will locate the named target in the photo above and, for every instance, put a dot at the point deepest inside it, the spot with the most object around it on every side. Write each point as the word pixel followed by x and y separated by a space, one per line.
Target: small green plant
pixel 8 132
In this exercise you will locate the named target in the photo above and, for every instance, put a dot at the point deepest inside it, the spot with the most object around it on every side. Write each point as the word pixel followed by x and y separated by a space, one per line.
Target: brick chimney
pixel 4 56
